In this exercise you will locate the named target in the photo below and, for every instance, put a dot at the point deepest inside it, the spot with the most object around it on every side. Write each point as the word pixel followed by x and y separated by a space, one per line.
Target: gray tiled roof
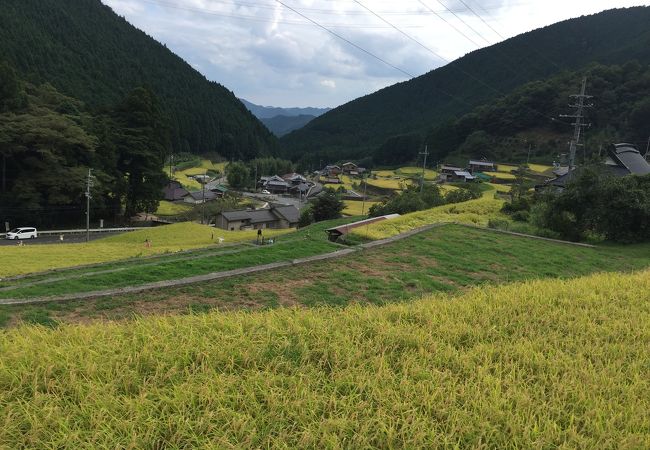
pixel 626 155
pixel 288 212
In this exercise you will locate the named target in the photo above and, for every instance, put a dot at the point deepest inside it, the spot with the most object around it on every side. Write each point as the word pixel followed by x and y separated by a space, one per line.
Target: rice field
pixel 169 238
pixel 473 212
pixel 412 171
pixel 354 207
pixel 539 168
pixel 166 208
pixel 539 364
pixel 506 168
pixel 501 175
pixel 395 184
pixel 183 176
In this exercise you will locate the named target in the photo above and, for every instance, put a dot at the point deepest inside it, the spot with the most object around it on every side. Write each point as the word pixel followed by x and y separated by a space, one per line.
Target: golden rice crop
pixel 389 183
pixel 475 212
pixel 539 168
pixel 429 174
pixel 506 168
pixel 169 238
pixel 166 208
pixel 501 175
pixel 541 364
pixel 354 207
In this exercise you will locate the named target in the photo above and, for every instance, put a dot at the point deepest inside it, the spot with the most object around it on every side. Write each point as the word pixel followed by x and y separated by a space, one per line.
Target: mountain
pixel 505 130
pixel 400 116
pixel 88 52
pixel 281 125
pixel 284 120
pixel 268 112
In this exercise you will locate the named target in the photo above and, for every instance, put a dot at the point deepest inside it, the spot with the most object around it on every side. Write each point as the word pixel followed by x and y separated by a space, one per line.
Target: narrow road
pixel 44 239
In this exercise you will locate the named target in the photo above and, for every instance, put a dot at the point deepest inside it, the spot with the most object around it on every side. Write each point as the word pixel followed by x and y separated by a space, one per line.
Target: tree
pixel 141 140
pixel 238 175
pixel 327 206
pixel 409 200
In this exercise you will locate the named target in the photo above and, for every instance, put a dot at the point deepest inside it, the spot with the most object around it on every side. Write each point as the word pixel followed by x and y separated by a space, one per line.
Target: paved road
pixel 54 239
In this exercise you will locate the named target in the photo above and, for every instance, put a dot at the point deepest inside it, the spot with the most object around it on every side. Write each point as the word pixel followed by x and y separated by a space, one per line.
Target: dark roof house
pixel 174 191
pixel 277 216
pixel 623 160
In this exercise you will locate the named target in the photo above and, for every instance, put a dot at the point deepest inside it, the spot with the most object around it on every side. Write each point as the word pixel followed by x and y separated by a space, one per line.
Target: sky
pixel 323 53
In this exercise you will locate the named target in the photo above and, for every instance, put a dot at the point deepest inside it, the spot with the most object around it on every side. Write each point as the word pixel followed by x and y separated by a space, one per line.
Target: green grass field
pixel 445 259
pixel 541 364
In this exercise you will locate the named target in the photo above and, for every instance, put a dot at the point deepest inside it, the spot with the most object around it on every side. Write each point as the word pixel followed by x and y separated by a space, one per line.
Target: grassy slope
pixel 544 364
pixel 446 259
pixel 170 238
pixel 474 212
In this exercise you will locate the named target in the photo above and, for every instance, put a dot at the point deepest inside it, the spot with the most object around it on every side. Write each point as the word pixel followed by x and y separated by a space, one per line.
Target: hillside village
pixel 455 256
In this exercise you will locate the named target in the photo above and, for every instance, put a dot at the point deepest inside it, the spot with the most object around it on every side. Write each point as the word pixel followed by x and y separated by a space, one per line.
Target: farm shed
pixel 334 233
pixel 481 166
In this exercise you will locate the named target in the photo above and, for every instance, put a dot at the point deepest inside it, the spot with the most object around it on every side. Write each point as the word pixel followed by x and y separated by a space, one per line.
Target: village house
pixel 622 160
pixel 174 192
pixel 274 184
pixel 331 170
pixel 481 166
pixel 198 197
pixel 452 174
pixel 275 217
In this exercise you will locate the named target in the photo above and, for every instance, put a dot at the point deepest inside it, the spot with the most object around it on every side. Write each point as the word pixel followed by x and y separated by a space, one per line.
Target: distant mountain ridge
pixel 410 110
pixel 281 125
pixel 284 120
pixel 267 112
pixel 87 51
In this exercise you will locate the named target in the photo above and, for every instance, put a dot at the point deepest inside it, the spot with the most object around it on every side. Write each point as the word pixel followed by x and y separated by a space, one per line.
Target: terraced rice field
pixel 550 363
pixel 166 208
pixel 169 238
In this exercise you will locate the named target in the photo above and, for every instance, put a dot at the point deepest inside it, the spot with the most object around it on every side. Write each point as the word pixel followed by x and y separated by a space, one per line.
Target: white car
pixel 265 191
pixel 22 233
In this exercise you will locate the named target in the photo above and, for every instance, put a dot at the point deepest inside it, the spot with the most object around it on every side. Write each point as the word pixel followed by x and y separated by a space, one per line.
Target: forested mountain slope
pixel 413 108
pixel 506 130
pixel 88 52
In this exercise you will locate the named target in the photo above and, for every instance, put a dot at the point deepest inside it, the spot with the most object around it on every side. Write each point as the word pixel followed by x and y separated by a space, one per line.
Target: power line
pixel 400 31
pixel 481 18
pixel 345 40
pixel 450 24
pixel 453 64
pixel 461 19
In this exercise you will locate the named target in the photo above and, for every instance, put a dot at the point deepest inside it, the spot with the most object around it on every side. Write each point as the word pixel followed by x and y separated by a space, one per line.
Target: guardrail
pixel 83 230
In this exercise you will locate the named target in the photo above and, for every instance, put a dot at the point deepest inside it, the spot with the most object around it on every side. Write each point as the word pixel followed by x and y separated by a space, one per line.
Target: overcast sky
pixel 270 55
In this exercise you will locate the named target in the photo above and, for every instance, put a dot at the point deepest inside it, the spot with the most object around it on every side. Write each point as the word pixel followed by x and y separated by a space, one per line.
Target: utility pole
pixel 363 201
pixel 647 148
pixel 171 165
pixel 528 157
pixel 203 203
pixel 89 184
pixel 424 165
pixel 578 116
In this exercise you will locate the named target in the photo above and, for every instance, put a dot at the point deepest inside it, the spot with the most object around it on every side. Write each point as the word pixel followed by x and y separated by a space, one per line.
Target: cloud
pixel 268 54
